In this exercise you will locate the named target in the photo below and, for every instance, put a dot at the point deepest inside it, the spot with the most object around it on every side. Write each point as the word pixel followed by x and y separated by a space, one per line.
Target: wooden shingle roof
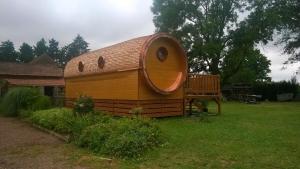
pixel 118 57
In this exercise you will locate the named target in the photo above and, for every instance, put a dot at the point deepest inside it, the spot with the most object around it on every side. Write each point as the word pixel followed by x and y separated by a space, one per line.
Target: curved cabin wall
pixel 130 74
pixel 163 74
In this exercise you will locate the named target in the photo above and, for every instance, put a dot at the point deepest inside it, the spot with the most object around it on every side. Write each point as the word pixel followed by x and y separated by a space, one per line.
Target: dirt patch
pixel 25 147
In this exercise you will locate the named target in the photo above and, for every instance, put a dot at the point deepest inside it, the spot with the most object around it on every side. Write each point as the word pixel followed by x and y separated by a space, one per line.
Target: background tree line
pixel 221 36
pixel 27 53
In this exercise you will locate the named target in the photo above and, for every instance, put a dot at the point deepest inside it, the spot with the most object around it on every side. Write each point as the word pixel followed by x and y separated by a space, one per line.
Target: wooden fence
pixel 203 87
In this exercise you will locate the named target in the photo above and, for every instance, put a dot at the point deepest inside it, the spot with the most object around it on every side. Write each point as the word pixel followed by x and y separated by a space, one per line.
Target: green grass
pixel 265 135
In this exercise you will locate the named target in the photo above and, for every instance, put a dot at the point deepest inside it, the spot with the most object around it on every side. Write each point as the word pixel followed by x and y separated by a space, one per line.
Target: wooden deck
pixel 206 87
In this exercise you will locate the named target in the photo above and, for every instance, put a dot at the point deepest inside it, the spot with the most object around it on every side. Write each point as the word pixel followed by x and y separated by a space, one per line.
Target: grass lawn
pixel 265 135
pixel 261 136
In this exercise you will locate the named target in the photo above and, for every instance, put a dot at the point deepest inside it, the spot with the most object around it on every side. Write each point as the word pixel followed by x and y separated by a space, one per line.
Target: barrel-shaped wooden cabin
pixel 146 72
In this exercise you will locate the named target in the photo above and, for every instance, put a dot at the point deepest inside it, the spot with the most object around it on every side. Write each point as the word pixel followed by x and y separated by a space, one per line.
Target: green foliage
pixel 249 71
pixel 59 120
pixel 17 99
pixel 244 137
pixel 41 47
pixel 82 122
pixel 7 52
pixel 216 39
pixel 77 47
pixel 60 55
pixel 127 138
pixel 269 91
pixel 83 105
pixel 282 16
pixel 41 103
pixel 25 114
pixel 53 50
pixel 124 137
pixel 26 53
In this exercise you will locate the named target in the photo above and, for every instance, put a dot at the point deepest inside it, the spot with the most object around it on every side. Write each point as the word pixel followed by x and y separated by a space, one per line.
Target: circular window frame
pixel 80 66
pixel 101 62
pixel 162 54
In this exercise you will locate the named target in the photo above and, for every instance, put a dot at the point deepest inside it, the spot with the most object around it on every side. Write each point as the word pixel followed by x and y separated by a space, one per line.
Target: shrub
pixel 17 99
pixel 100 133
pixel 59 120
pixel 83 105
pixel 94 137
pixel 25 113
pixel 41 103
pixel 125 137
pixel 269 91
pixel 132 138
pixel 84 121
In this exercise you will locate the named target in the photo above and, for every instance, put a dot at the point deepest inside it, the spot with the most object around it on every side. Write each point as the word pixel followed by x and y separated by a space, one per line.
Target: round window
pixel 101 62
pixel 162 54
pixel 80 66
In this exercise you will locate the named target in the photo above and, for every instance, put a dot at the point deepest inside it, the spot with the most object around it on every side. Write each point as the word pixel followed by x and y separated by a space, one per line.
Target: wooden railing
pixel 203 85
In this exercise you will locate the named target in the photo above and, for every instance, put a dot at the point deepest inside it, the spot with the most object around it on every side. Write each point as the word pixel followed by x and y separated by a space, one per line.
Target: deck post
pixel 218 101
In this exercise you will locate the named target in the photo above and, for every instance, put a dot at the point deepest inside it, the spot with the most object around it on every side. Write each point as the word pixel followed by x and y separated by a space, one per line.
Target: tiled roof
pixel 27 69
pixel 36 82
pixel 122 56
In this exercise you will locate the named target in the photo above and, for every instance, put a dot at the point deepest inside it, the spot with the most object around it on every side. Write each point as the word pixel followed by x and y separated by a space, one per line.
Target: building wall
pixel 120 92
pixel 117 86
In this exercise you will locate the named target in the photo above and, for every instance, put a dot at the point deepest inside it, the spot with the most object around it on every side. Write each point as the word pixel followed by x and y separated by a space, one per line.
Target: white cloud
pixel 279 71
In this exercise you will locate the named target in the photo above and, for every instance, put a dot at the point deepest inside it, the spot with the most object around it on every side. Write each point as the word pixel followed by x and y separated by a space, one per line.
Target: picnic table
pixel 252 98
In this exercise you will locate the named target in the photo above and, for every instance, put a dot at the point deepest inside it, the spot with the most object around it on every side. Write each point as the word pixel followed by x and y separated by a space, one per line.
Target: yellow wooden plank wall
pixel 117 85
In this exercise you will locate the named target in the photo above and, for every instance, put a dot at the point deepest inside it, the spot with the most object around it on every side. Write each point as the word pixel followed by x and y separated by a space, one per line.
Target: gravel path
pixel 24 147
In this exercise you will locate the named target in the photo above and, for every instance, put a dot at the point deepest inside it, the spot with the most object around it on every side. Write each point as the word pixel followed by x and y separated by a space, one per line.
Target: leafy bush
pixel 41 103
pixel 83 105
pixel 269 91
pixel 25 114
pixel 125 137
pixel 82 122
pixel 17 99
pixel 59 120
pixel 100 133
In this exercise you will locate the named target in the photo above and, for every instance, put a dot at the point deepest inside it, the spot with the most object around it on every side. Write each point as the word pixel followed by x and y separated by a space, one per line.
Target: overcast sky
pixel 100 22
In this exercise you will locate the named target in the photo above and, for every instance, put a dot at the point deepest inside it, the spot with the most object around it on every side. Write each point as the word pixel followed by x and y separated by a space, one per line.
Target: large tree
pixel 210 30
pixel 40 47
pixel 77 47
pixel 53 50
pixel 255 68
pixel 25 53
pixel 281 17
pixel 7 52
